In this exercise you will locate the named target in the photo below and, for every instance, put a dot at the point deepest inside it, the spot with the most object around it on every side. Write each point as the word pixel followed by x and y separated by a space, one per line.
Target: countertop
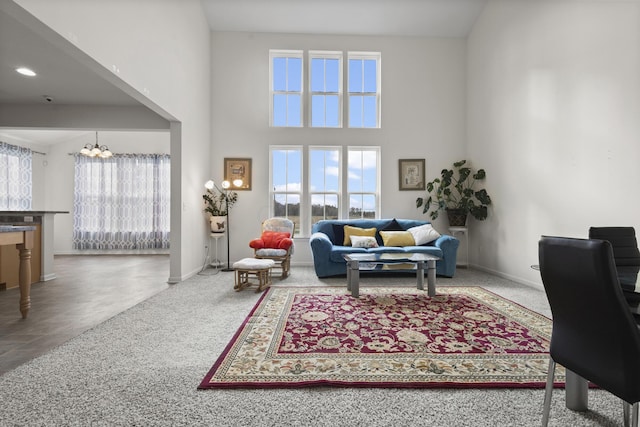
pixel 14 228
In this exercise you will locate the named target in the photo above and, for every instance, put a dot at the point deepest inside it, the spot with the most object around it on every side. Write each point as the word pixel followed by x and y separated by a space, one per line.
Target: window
pixel 363 182
pixel 325 87
pixel 364 89
pixel 285 75
pixel 286 183
pixel 15 177
pixel 324 182
pixel 322 195
pixel 122 202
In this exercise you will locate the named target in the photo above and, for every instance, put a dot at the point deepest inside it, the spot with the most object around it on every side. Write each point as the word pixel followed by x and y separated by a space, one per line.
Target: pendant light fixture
pixel 96 150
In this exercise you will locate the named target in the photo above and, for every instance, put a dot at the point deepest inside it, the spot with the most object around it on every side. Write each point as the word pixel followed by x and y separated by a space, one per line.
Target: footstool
pixel 258 269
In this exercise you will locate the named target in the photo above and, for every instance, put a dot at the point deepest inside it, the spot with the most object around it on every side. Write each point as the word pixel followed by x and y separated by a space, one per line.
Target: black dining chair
pixel 594 334
pixel 626 256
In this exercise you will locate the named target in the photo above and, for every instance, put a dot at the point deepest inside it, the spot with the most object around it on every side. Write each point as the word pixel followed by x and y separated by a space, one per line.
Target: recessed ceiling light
pixel 26 71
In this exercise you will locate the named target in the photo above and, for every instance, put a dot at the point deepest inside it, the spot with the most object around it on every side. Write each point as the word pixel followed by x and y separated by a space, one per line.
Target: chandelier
pixel 96 150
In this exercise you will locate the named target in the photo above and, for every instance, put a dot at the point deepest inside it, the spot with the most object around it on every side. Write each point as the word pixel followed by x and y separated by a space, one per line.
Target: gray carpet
pixel 142 367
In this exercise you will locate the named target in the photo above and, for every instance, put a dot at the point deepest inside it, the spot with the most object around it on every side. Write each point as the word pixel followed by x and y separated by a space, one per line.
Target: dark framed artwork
pixel 236 170
pixel 411 174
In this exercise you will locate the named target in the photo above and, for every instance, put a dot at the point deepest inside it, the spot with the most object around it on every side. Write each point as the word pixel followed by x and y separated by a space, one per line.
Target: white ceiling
pixel 431 18
pixel 68 81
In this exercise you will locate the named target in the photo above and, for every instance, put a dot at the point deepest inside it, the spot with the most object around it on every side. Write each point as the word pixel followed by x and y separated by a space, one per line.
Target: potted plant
pixel 454 192
pixel 217 203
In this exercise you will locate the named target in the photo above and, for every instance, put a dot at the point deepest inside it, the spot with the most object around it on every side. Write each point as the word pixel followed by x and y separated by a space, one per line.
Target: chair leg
pixel 634 415
pixel 548 391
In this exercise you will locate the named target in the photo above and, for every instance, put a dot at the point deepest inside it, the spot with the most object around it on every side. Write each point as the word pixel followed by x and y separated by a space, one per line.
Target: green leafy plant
pixel 454 189
pixel 217 202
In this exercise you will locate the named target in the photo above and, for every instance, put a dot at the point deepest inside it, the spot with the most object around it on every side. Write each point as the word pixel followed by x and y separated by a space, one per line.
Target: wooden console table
pixel 22 237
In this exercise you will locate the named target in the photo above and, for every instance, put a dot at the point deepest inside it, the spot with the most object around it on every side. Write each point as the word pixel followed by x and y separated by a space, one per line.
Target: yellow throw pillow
pixel 397 238
pixel 356 231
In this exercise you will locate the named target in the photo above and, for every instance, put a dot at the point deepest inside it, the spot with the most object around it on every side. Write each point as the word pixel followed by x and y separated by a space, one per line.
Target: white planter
pixel 218 224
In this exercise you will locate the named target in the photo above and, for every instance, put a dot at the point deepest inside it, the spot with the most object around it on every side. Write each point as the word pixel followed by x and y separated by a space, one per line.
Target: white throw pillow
pixel 363 242
pixel 423 234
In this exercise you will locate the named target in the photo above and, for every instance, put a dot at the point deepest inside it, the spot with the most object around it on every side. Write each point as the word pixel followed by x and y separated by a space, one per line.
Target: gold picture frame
pixel 235 169
pixel 411 174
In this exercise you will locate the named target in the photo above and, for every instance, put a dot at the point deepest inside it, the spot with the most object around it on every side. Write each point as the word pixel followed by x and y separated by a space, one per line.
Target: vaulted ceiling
pixel 63 80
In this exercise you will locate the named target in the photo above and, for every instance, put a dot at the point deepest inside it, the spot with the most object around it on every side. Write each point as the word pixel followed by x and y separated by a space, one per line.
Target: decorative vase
pixel 218 224
pixel 457 217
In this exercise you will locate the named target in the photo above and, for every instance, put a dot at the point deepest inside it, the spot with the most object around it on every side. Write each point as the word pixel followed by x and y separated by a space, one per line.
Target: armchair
pixel 275 243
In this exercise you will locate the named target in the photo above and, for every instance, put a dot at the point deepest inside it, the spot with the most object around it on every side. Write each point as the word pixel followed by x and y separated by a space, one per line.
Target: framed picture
pixel 238 169
pixel 411 174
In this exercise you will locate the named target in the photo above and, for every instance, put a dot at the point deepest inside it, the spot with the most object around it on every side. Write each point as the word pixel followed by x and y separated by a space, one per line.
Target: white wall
pixel 161 52
pixel 423 116
pixel 553 107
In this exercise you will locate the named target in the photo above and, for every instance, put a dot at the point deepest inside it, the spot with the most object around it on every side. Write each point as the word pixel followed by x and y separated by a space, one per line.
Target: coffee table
pixel 374 262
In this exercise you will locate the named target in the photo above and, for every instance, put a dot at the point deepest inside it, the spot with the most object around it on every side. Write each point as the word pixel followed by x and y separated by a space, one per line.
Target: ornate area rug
pixel 389 337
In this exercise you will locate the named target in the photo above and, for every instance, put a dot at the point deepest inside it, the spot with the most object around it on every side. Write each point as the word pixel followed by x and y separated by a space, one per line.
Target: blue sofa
pixel 327 251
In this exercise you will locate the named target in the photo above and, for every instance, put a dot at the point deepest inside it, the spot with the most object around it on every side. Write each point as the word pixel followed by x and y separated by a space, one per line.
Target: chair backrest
pixel 623 240
pixel 594 333
pixel 278 224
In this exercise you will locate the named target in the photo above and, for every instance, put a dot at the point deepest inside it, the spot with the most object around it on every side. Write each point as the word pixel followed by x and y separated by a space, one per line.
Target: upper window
pixel 325 84
pixel 285 75
pixel 323 78
pixel 364 89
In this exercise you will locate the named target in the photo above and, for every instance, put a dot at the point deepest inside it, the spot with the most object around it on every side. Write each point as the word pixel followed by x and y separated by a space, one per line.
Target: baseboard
pixel 115 252
pixel 516 279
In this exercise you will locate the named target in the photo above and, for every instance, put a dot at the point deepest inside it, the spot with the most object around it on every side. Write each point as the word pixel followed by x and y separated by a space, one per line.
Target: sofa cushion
pixel 364 242
pixel 338 251
pixel 356 231
pixel 338 234
pixel 392 225
pixel 272 240
pixel 397 238
pixel 423 234
pixel 424 249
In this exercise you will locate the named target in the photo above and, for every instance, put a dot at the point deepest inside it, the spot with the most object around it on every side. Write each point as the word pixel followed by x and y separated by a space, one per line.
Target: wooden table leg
pixel 24 275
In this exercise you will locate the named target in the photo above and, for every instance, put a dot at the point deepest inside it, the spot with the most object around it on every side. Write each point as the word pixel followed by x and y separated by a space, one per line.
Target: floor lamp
pixel 225 185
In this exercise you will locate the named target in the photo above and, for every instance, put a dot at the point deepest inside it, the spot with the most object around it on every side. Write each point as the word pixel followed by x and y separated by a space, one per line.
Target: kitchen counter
pixel 46 221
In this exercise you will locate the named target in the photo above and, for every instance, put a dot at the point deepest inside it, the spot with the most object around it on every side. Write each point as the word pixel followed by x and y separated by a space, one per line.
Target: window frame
pixel 359 55
pixel 280 53
pixel 339 192
pixel 300 224
pixel 326 54
pixel 376 193
pixel 303 226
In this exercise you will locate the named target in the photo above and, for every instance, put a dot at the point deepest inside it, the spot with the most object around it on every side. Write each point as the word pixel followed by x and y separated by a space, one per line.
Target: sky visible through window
pixel 324 175
pixel 287 83
pixel 362 85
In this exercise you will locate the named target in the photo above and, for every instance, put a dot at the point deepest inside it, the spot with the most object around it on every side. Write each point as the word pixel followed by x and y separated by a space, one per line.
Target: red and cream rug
pixel 389 337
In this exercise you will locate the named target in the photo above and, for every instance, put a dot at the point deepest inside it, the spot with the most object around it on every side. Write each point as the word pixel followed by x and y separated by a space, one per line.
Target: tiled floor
pixel 87 291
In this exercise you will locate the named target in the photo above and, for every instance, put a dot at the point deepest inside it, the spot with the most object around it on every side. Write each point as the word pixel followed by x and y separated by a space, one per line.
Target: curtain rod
pixel 33 151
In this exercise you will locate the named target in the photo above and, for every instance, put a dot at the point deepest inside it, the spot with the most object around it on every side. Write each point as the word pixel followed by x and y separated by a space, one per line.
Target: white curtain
pixel 15 177
pixel 122 202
